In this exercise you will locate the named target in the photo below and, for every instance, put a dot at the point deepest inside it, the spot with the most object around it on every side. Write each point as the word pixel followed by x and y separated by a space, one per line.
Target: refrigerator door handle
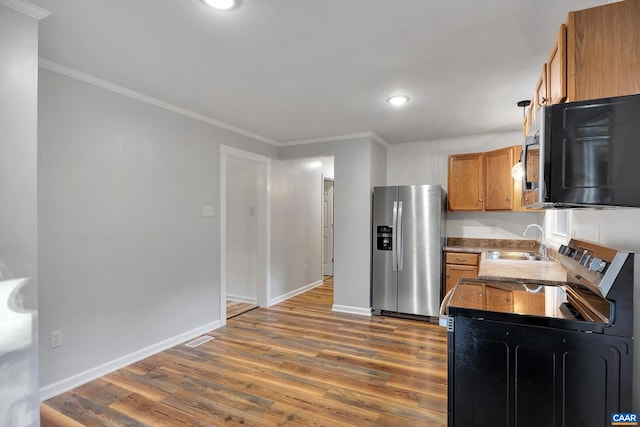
pixel 394 258
pixel 399 251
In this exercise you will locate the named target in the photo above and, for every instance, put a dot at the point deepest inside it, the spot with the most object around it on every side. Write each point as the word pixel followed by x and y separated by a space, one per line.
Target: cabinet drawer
pixel 463 258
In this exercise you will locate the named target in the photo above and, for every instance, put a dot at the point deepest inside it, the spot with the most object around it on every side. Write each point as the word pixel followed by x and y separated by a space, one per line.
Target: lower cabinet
pixel 503 374
pixel 459 265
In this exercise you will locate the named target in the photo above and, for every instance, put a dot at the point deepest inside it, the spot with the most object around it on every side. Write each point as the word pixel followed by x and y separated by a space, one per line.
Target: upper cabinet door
pixel 498 179
pixel 557 68
pixel 603 51
pixel 540 97
pixel 466 182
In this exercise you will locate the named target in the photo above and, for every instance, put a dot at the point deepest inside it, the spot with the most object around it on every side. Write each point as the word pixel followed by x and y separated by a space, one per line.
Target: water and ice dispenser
pixel 384 237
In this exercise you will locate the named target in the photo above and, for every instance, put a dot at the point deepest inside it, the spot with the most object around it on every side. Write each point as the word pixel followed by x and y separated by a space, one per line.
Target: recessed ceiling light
pixel 398 100
pixel 221 4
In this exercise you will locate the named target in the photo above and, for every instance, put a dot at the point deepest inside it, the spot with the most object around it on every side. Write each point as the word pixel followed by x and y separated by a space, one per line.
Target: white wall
pixel 128 266
pixel 18 218
pixel 426 162
pixel 296 236
pixel 354 160
pixel 491 225
pixel 18 145
pixel 378 165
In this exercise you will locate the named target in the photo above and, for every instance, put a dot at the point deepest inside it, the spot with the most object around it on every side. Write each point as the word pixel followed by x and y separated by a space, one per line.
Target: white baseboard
pixel 292 294
pixel 239 298
pixel 77 380
pixel 351 310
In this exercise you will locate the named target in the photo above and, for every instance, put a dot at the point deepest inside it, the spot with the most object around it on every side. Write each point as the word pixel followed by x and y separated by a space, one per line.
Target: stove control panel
pixel 585 257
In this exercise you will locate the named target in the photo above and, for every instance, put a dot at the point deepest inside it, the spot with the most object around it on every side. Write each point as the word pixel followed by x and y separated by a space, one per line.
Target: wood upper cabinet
pixel 596 54
pixel 483 181
pixel 603 51
pixel 499 185
pixel 540 97
pixel 466 182
pixel 557 68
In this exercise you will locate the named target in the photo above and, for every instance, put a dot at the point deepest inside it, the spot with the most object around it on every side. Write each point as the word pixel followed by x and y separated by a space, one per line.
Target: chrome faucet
pixel 544 247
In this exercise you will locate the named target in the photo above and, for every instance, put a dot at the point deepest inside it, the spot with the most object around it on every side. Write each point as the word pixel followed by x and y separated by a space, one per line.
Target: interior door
pixel 327 228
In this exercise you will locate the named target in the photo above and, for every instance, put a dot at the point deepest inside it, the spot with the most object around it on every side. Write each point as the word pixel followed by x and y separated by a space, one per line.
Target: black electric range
pixel 530 353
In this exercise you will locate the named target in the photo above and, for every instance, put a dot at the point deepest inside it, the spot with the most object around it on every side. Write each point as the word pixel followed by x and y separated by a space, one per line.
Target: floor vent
pixel 199 341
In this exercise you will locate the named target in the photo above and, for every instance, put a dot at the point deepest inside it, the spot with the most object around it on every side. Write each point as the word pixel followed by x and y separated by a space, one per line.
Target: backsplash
pixel 523 244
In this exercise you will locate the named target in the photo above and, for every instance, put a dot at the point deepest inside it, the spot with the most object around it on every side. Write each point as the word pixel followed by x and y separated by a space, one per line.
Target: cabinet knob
pixel 461 259
pixel 479 200
pixel 508 199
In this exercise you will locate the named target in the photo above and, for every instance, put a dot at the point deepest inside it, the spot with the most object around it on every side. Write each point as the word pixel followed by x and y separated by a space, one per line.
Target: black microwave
pixel 584 154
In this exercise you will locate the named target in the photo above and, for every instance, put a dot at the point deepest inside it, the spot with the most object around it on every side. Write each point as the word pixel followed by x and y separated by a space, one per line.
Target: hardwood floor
pixel 236 308
pixel 296 363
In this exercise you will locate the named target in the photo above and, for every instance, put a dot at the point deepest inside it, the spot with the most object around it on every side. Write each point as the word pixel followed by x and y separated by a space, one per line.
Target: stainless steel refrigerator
pixel 408 238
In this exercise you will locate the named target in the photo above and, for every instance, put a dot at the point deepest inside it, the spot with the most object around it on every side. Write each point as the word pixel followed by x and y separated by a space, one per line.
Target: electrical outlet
pixel 207 211
pixel 56 339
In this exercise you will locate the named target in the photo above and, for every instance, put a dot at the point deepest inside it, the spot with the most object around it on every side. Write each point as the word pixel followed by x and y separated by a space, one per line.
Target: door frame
pixel 263 164
pixel 324 179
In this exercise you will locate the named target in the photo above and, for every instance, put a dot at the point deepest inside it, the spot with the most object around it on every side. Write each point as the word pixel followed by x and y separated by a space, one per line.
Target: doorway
pixel 327 227
pixel 244 228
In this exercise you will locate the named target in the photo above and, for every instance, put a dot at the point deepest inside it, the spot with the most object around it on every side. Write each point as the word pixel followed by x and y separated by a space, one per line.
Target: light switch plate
pixel 207 211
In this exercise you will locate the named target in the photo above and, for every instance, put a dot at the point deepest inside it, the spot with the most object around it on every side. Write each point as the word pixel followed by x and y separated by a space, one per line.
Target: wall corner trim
pixel 351 310
pixel 91 374
pixel 27 8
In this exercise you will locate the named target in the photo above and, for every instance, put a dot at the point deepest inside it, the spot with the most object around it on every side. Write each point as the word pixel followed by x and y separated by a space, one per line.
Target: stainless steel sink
pixel 514 255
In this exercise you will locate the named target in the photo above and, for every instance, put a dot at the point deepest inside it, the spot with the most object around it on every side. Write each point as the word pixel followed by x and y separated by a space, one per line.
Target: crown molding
pixel 55 67
pixel 368 134
pixel 121 90
pixel 377 138
pixel 27 8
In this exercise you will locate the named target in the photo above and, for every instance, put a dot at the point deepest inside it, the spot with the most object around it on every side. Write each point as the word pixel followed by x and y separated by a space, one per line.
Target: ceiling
pixel 295 70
